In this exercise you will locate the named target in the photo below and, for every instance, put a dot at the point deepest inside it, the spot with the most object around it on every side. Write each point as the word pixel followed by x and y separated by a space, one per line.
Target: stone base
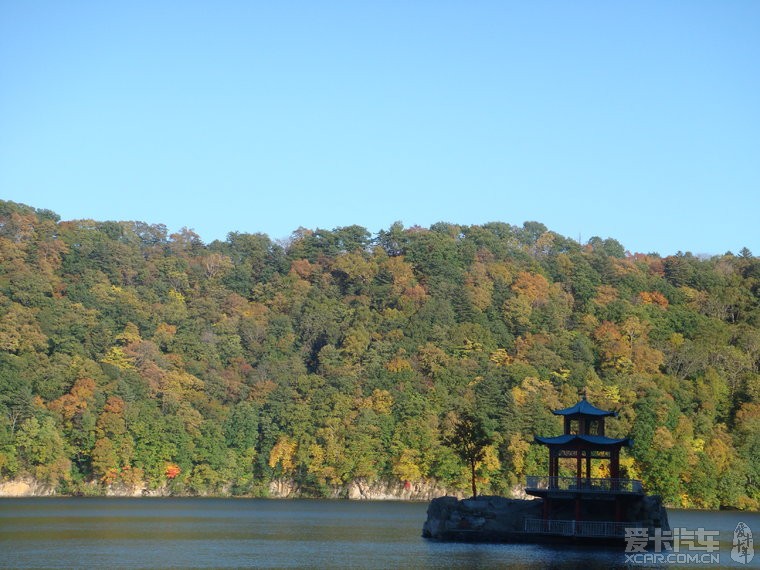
pixel 498 519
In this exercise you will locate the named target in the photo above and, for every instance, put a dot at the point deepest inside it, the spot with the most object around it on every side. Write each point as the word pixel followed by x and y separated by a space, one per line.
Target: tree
pixel 469 439
pixel 42 450
pixel 335 356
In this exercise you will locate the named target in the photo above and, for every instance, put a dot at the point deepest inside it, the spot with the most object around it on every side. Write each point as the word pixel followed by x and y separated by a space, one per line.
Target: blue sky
pixel 633 120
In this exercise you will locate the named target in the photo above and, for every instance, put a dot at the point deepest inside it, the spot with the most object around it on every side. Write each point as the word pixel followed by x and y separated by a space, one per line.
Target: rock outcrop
pixel 25 488
pixel 498 519
pixel 650 511
pixel 359 489
pixel 484 519
pixel 363 490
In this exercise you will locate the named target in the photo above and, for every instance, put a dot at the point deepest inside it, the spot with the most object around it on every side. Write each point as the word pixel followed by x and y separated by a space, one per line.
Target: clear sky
pixel 633 120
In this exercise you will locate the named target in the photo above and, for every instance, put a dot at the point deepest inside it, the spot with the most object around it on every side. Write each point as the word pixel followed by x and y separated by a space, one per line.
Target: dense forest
pixel 132 356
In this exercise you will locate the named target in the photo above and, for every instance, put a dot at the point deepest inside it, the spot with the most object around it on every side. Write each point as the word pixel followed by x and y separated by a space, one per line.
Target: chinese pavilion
pixel 574 502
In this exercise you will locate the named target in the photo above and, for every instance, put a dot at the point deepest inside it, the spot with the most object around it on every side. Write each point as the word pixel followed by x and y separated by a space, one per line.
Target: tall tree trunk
pixel 474 489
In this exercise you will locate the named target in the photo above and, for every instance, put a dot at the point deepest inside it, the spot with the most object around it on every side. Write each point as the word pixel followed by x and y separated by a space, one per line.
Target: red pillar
pixel 555 463
pixel 551 465
pixel 615 468
pixel 588 468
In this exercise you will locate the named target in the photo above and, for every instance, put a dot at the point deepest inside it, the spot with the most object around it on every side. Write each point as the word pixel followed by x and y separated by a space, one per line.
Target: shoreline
pixel 353 491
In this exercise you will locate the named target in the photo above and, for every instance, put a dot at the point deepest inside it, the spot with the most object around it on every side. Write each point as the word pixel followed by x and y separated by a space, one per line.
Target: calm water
pixel 234 533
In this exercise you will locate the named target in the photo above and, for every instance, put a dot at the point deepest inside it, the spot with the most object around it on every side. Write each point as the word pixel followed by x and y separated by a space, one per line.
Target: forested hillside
pixel 131 355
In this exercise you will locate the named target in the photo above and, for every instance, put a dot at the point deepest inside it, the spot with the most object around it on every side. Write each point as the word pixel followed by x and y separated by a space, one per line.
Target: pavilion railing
pixel 600 485
pixel 599 529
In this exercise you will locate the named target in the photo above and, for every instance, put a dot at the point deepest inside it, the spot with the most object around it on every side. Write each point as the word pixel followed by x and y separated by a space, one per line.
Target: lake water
pixel 254 533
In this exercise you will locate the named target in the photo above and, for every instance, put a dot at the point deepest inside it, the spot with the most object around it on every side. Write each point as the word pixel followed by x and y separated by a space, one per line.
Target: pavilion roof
pixel 592 439
pixel 583 408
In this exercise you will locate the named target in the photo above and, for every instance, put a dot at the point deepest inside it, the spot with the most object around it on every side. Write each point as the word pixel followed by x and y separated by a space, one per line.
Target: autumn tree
pixel 134 356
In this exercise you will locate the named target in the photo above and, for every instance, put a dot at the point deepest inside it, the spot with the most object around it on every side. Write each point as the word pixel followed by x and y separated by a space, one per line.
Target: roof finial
pixel 584 396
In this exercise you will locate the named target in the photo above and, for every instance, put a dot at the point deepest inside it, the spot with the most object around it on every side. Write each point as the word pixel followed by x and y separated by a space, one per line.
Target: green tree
pixel 42 451
pixel 469 440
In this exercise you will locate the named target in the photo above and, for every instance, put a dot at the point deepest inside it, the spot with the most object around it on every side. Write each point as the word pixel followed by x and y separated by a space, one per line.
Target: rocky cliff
pixel 25 488
pixel 358 489
pixel 361 489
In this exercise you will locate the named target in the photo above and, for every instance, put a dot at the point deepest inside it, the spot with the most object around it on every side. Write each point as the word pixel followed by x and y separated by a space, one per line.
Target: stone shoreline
pixel 358 490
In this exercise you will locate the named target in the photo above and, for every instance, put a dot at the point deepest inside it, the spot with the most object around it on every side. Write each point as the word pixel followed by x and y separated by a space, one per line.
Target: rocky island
pixel 498 519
